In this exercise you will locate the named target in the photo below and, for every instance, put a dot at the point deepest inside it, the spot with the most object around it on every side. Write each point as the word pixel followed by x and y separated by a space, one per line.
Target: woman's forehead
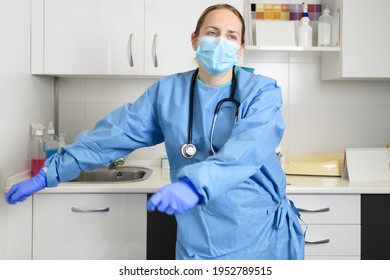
pixel 223 19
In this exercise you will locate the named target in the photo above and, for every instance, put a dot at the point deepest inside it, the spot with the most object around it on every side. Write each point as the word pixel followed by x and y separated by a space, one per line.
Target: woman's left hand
pixel 174 198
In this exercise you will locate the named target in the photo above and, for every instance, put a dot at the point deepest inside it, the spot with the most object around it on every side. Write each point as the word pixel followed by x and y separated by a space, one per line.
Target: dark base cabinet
pixel 161 236
pixel 375 227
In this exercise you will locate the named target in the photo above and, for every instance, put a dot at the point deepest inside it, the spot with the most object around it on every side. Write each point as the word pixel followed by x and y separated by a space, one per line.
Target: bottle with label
pixel 305 31
pixel 51 141
pixel 325 22
pixel 37 150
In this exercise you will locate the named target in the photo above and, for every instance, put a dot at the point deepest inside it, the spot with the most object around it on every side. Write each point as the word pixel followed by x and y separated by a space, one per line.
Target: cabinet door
pixel 93 37
pixel 365 38
pixel 375 226
pixel 168 28
pixel 161 235
pixel 18 230
pixel 89 226
pixel 364 41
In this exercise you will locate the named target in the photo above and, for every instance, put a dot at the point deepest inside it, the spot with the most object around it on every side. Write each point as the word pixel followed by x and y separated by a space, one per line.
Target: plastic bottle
pixel 325 22
pixel 51 141
pixel 61 141
pixel 305 31
pixel 37 157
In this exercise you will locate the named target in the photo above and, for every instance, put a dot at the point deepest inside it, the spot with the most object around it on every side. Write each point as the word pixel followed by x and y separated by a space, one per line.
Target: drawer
pixel 336 240
pixel 89 226
pixel 328 208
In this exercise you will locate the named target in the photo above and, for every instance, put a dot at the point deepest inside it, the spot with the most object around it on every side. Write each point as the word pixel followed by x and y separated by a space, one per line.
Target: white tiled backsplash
pixel 320 116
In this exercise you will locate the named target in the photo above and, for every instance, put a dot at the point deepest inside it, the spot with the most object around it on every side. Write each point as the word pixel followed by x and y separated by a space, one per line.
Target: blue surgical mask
pixel 217 55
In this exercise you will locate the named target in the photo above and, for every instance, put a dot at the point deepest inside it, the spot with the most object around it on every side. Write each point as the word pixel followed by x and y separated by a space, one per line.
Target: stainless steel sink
pixel 118 174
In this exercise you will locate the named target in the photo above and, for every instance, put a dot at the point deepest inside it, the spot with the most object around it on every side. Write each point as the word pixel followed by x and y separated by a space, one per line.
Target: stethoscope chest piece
pixel 188 150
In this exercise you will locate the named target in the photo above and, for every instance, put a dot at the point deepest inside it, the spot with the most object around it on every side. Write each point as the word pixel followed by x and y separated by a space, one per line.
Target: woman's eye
pixel 232 37
pixel 212 33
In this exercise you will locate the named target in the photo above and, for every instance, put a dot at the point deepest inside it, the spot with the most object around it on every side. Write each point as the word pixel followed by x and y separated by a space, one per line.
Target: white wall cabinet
pixel 93 37
pixel 89 226
pixel 364 41
pixel 333 225
pixel 114 37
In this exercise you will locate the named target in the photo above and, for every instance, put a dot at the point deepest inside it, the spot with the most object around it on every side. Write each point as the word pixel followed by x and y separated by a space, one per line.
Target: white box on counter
pixel 366 164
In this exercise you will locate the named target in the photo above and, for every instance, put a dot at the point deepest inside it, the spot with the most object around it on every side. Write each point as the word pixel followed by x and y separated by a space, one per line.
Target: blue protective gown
pixel 244 212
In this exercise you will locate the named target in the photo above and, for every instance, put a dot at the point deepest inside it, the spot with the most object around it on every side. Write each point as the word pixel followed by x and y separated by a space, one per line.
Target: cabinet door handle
pixel 326 209
pixel 131 62
pixel 155 62
pixel 84 210
pixel 322 241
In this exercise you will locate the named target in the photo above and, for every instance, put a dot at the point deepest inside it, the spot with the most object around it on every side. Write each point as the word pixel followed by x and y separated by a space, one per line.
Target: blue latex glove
pixel 21 191
pixel 174 198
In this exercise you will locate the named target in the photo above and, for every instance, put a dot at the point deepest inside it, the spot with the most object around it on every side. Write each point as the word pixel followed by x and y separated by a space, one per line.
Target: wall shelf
pixel 285 54
pixel 292 49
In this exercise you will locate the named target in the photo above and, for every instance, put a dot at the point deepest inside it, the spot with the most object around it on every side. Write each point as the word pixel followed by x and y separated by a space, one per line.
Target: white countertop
pixel 334 185
pixel 160 177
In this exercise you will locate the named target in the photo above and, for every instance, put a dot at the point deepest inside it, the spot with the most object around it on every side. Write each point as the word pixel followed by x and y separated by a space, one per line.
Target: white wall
pixel 82 102
pixel 23 98
pixel 327 116
pixel 320 116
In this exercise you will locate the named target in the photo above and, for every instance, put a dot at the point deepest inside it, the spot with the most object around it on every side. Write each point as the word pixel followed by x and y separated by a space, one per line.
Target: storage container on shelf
pixel 325 22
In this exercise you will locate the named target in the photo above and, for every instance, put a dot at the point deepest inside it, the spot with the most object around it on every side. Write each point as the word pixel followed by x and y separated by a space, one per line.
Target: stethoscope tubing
pixel 188 149
pixel 216 112
pixel 191 106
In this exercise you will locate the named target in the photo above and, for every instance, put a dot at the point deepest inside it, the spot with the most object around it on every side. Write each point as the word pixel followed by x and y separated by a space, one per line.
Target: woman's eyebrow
pixel 229 31
pixel 232 31
pixel 213 27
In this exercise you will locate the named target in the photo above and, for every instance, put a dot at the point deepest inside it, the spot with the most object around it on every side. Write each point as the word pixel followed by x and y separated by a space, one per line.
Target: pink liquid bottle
pixel 37 151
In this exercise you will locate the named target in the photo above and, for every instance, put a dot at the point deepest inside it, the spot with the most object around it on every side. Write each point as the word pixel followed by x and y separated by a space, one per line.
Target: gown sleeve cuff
pixel 191 185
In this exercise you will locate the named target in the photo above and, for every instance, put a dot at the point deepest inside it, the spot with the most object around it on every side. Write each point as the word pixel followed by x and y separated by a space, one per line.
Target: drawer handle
pixel 81 210
pixel 323 241
pixel 131 61
pixel 155 61
pixel 326 209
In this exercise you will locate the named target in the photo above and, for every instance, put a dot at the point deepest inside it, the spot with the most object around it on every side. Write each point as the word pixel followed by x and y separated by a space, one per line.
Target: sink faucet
pixel 119 162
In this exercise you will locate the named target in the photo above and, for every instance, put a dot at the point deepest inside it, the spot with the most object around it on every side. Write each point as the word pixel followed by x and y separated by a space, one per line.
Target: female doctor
pixel 221 125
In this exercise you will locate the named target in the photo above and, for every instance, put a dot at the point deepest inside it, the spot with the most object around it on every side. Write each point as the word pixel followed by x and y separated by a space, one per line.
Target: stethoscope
pixel 188 150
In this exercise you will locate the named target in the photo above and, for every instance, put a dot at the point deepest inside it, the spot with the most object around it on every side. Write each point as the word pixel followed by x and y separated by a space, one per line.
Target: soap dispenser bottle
pixel 305 31
pixel 51 141
pixel 37 150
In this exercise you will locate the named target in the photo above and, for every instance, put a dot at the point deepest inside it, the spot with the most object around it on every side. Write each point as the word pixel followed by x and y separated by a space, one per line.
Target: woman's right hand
pixel 21 191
